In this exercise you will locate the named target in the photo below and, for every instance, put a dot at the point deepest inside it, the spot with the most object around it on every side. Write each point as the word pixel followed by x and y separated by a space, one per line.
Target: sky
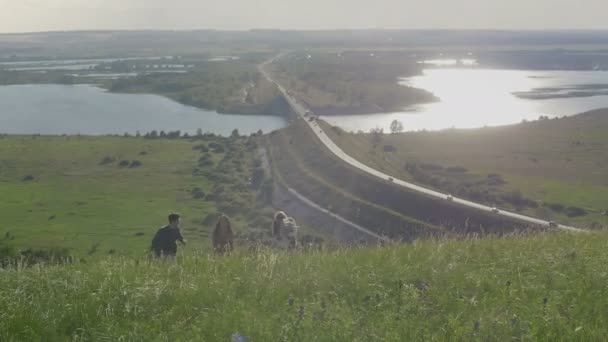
pixel 49 15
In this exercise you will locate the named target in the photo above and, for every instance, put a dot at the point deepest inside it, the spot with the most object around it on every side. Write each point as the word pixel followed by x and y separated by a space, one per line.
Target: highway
pixel 318 131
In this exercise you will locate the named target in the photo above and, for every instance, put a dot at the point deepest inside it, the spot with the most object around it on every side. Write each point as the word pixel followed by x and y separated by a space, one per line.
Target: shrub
pixel 217 147
pixel 198 193
pixel 107 160
pixel 201 147
pixel 575 212
pixel 205 160
pixel 123 163
pixel 28 178
pixel 135 163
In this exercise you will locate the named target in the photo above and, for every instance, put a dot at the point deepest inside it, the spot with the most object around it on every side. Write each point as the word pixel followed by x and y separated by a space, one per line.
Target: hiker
pixel 164 242
pixel 285 230
pixel 223 237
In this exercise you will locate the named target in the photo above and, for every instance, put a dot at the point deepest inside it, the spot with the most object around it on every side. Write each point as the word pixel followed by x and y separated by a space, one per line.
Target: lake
pixel 89 110
pixel 472 97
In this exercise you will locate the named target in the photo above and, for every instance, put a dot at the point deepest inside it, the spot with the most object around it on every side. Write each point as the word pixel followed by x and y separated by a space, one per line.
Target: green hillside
pixel 544 287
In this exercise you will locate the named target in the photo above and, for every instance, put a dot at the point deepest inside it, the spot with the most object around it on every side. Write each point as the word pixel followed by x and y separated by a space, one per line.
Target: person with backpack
pixel 164 243
pixel 285 231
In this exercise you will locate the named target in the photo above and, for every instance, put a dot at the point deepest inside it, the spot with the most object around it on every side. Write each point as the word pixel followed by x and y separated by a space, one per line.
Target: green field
pixel 545 287
pixel 94 207
pixel 536 167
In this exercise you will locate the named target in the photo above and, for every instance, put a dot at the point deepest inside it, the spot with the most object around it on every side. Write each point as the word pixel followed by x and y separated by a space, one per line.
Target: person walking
pixel 223 237
pixel 285 231
pixel 164 243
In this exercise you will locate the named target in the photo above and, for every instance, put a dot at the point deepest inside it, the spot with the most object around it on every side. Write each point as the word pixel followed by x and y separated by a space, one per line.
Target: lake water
pixel 83 109
pixel 472 97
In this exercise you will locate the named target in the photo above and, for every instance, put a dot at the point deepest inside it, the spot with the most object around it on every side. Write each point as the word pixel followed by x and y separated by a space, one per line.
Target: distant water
pixel 83 109
pixel 472 97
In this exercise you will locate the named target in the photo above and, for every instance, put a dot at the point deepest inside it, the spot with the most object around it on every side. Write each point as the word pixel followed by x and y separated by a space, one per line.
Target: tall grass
pixel 547 287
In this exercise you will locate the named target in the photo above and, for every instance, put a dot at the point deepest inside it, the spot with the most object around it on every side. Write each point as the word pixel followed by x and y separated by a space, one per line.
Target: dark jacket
pixel 164 242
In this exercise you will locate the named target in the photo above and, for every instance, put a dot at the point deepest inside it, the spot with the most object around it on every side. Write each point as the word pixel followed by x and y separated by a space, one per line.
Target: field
pixel 544 287
pixel 549 168
pixel 75 192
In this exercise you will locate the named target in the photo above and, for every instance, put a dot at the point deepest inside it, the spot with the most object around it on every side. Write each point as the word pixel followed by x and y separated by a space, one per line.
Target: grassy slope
pixel 75 202
pixel 96 203
pixel 557 161
pixel 544 287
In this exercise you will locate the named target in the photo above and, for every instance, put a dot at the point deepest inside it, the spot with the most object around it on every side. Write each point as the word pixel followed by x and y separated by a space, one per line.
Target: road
pixel 265 164
pixel 318 131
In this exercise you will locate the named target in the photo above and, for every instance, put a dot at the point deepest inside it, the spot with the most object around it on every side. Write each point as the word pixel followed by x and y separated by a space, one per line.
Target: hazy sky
pixel 39 15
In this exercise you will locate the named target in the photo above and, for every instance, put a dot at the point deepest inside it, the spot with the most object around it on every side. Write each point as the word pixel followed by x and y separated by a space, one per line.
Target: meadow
pixel 541 287
pixel 551 168
pixel 108 195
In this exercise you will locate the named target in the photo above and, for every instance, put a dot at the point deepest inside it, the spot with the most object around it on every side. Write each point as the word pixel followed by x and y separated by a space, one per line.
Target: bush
pixel 28 178
pixel 107 160
pixel 575 212
pixel 135 163
pixel 217 147
pixel 198 193
pixel 205 160
pixel 518 200
pixel 201 147
pixel 123 163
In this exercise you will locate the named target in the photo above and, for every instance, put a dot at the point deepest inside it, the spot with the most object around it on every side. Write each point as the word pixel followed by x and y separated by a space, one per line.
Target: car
pixel 495 210
pixel 311 119
pixel 391 179
pixel 449 197
pixel 553 224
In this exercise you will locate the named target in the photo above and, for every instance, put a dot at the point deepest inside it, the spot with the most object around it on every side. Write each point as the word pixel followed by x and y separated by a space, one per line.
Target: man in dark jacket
pixel 165 240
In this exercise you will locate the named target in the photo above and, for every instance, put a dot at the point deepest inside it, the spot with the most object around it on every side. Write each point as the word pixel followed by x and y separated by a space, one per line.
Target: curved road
pixel 301 111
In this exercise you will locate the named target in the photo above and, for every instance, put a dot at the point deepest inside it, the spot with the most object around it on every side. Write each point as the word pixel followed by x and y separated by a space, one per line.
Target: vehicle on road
pixel 450 197
pixel 391 179
pixel 553 224
pixel 495 210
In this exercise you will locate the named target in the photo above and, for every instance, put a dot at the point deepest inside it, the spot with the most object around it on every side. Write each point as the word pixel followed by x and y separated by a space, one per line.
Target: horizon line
pixel 287 30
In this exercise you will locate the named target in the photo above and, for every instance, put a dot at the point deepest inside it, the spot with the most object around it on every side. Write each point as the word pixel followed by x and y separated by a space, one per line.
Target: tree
pixel 376 135
pixel 199 132
pixel 235 133
pixel 396 127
